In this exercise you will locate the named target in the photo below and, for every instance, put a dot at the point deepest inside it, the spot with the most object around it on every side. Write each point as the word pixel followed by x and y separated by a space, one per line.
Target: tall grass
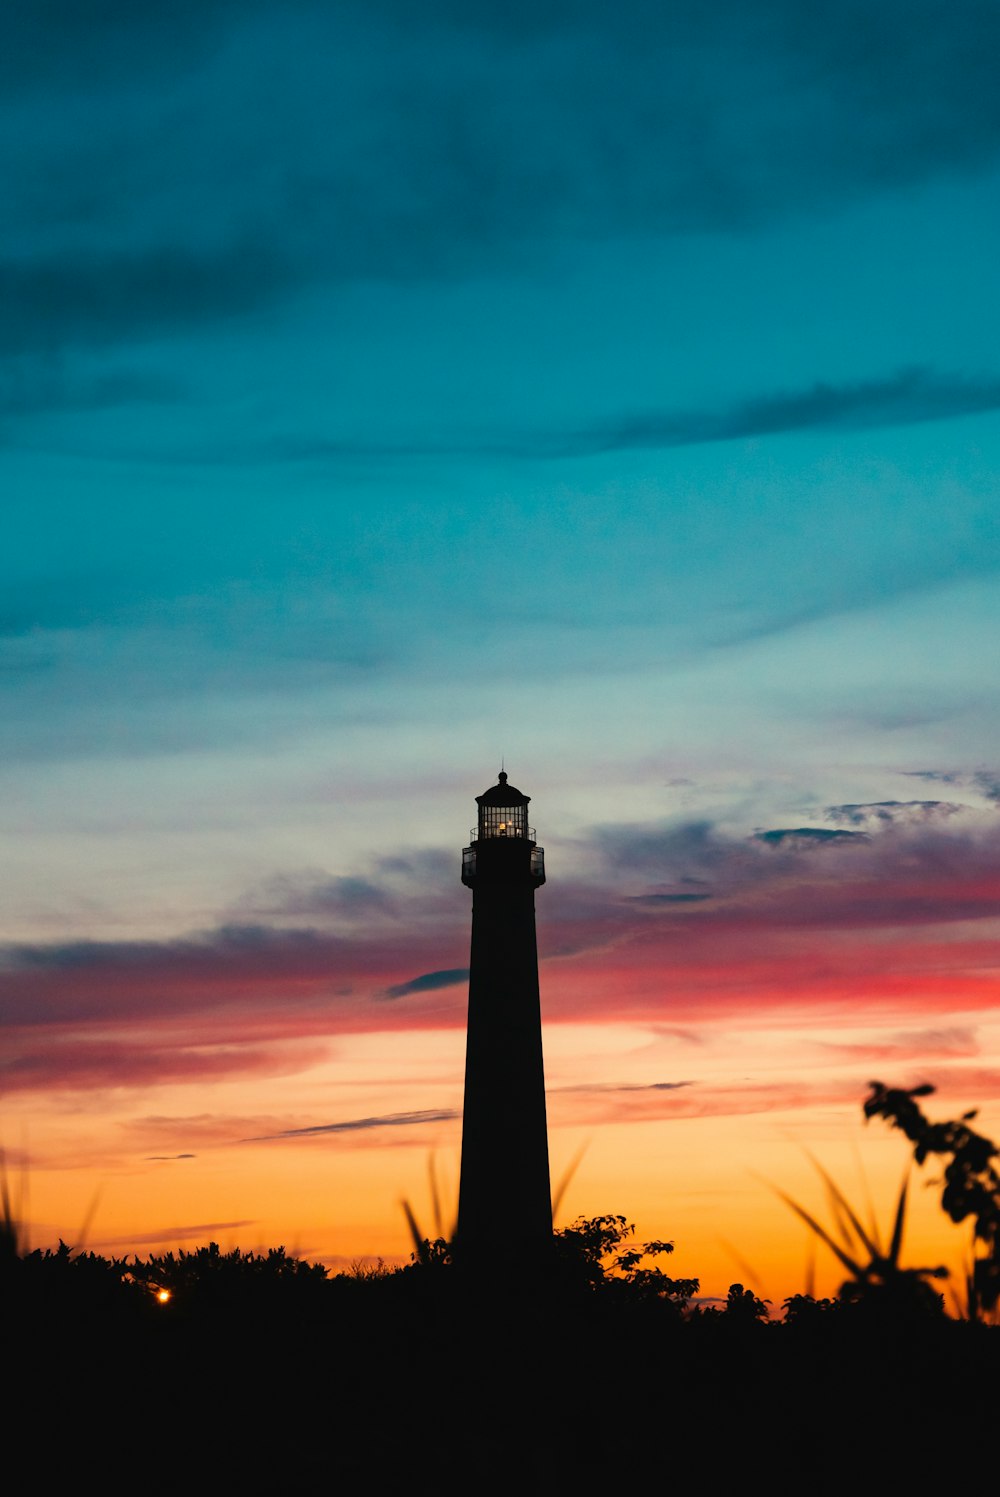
pixel 876 1273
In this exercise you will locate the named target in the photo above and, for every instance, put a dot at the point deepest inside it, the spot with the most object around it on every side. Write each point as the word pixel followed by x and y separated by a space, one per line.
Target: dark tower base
pixel 504 1194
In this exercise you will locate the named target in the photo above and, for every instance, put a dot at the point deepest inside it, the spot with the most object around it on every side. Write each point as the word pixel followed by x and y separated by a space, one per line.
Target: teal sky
pixel 619 395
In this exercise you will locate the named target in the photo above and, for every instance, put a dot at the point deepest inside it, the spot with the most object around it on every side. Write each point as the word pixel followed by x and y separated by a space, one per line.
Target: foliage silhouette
pixel 595 1253
pixel 971 1181
pixel 592 1254
pixel 211 1266
pixel 430 1253
pixel 742 1305
pixel 805 1311
pixel 596 1257
pixel 283 1375
pixel 879 1285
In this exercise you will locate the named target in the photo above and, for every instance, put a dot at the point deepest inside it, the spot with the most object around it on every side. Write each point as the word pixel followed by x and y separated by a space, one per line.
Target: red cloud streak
pixel 898 927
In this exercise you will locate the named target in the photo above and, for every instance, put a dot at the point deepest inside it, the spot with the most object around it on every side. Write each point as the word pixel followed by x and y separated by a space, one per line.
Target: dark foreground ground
pixel 420 1382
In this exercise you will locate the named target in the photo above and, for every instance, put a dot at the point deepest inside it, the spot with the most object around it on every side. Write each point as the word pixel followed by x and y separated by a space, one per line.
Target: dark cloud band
pixel 448 977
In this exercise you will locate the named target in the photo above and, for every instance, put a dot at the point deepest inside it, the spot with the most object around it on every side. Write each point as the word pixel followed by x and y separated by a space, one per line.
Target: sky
pixel 389 392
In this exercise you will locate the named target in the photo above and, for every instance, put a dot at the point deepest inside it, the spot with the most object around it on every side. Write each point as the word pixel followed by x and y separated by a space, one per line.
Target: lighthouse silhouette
pixel 504 1186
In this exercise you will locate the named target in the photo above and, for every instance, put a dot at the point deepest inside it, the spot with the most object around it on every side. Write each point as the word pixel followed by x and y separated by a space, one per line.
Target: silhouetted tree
pixel 805 1311
pixel 595 1252
pixel 743 1306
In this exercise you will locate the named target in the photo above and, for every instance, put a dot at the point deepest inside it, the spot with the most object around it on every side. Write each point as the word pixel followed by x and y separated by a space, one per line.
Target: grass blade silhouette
pixel 811 1268
pixel 419 1241
pixel 896 1243
pixel 866 1191
pixel 88 1221
pixel 746 1269
pixel 435 1197
pixel 567 1177
pixel 13 1213
pixel 843 1211
pixel 844 1257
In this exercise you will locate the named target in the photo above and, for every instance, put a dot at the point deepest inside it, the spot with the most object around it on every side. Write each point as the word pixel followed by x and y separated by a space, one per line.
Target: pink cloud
pixel 887 928
pixel 72 1063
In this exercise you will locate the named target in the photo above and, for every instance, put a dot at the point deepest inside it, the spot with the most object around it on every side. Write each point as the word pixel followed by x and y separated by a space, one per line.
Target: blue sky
pixel 384 392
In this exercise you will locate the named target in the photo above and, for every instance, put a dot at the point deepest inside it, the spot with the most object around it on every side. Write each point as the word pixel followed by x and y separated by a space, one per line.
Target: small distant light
pixel 163 1296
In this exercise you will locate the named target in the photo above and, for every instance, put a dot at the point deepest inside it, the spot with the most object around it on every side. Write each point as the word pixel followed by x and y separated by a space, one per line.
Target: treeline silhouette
pixel 575 1367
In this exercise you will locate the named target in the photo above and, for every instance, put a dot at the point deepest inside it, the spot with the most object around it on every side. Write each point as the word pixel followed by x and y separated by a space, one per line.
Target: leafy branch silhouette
pixel 971 1181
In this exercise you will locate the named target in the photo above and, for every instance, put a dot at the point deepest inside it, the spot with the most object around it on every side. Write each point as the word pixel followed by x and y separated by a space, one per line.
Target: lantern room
pixel 503 821
pixel 503 812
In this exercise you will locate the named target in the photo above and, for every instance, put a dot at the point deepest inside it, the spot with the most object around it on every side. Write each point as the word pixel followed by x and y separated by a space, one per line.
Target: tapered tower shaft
pixel 504 1190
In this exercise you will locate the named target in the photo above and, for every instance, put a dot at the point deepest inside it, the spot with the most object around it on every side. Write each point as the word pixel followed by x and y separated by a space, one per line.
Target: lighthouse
pixel 504 1189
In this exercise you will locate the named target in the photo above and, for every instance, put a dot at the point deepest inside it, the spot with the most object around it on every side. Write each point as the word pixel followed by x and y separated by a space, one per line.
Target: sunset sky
pixel 386 390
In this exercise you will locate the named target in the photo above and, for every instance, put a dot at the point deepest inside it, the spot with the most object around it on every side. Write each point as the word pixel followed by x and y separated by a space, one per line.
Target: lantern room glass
pixel 503 821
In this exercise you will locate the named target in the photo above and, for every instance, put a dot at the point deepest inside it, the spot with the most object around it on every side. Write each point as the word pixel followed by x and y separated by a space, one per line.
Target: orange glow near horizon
pixel 699 1162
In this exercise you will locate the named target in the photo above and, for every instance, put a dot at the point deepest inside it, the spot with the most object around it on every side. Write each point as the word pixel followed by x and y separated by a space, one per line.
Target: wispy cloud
pixel 721 1099
pixel 104 299
pixel 427 981
pixel 985 782
pixel 950 1041
pixel 121 1059
pixel 317 894
pixel 892 811
pixel 908 900
pixel 908 397
pixel 628 1086
pixel 32 386
pixel 805 836
pixel 359 1125
pixel 654 899
pixel 174 1234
